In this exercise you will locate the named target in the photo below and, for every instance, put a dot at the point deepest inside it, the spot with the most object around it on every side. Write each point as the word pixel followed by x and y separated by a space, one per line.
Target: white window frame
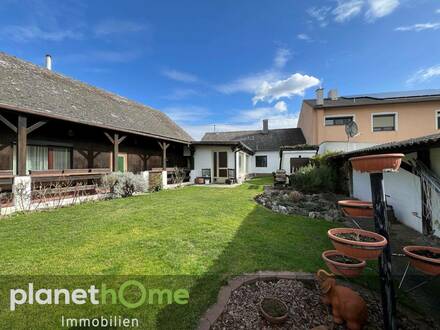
pixel 396 121
pixel 256 161
pixel 437 116
pixel 336 116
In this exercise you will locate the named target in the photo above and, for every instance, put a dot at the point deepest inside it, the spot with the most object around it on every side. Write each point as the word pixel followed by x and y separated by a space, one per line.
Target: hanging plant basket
pixel 357 209
pixel 377 163
pixel 358 243
pixel 424 258
pixel 342 264
pixel 273 310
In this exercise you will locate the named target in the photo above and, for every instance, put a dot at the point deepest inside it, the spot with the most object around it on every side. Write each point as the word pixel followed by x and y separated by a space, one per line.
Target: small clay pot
pixel 377 163
pixel 344 269
pixel 426 265
pixel 358 249
pixel 357 209
pixel 274 319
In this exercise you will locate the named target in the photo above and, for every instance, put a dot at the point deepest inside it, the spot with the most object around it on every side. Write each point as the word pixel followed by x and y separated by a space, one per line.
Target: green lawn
pixel 206 234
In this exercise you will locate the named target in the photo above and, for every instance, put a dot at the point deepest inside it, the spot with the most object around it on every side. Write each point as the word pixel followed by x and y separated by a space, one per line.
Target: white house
pixel 240 154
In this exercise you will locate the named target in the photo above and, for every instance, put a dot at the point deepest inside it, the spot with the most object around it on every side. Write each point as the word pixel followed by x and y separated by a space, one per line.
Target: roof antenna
pixel 214 128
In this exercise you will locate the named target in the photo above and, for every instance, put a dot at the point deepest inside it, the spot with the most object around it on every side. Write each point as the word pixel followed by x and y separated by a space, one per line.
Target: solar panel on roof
pixel 392 95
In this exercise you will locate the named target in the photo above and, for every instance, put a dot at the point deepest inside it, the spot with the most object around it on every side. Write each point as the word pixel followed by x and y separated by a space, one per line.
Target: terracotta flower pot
pixel 343 268
pixel 427 265
pixel 357 209
pixel 369 246
pixel 268 315
pixel 377 163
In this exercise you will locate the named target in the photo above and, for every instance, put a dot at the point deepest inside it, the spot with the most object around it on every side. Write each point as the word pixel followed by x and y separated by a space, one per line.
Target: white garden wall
pixel 403 194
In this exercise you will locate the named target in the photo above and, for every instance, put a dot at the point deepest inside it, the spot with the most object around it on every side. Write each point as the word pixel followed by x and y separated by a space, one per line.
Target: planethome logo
pixel 130 294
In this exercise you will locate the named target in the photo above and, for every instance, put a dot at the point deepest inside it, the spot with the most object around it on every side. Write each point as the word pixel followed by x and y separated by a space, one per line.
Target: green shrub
pixel 318 176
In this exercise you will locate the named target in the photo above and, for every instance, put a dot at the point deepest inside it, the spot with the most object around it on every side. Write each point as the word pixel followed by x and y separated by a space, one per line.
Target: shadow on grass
pixel 290 244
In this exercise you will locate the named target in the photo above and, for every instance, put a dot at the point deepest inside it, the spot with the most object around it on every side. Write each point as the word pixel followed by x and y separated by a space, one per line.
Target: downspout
pixel 281 158
pixel 235 165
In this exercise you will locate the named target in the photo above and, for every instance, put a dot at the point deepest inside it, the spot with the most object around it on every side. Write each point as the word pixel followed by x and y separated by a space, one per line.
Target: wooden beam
pixel 35 126
pixel 115 152
pixel 8 123
pixel 109 137
pixel 385 274
pixel 122 139
pixel 164 146
pixel 21 145
pixel 425 157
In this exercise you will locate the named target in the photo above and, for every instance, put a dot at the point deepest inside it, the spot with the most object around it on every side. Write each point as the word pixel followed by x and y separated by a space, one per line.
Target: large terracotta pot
pixel 357 209
pixel 425 264
pixel 343 268
pixel 377 163
pixel 356 248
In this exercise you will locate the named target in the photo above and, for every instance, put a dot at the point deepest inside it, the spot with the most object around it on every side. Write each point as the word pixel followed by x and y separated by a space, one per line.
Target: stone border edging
pixel 214 312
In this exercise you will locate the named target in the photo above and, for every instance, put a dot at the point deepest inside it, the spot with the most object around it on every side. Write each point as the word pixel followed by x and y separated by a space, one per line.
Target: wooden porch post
pixel 164 146
pixel 424 157
pixel 21 145
pixel 115 140
pixel 382 227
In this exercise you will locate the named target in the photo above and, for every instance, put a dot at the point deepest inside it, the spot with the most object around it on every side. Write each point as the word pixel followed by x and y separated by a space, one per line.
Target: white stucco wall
pixel 203 158
pixel 295 154
pixel 342 146
pixel 273 162
pixel 403 194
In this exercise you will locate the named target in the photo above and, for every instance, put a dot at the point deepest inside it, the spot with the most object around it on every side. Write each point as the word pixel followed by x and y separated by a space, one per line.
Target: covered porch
pixel 225 162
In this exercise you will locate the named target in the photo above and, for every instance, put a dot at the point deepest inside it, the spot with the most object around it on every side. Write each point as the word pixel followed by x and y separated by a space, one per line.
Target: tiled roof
pixel 33 89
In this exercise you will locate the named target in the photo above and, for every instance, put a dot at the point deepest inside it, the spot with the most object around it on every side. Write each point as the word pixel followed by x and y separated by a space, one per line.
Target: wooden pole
pixel 115 152
pixel 382 227
pixel 21 145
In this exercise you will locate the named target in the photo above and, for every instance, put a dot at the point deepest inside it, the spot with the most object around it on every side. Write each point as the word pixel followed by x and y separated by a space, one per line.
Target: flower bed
pixel 285 201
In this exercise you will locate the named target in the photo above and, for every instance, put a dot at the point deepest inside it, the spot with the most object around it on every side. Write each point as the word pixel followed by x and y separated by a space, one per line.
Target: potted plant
pixel 377 163
pixel 358 243
pixel 273 310
pixel 424 258
pixel 342 264
pixel 357 209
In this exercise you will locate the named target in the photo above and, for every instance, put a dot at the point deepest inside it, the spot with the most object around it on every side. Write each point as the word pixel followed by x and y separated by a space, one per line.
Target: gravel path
pixel 305 308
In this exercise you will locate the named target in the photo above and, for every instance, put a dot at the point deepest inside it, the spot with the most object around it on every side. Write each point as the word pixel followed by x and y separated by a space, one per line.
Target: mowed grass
pixel 208 233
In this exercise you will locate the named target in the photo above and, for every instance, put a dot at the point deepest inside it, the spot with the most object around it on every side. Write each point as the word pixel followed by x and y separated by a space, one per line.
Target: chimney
pixel 320 96
pixel 49 62
pixel 333 94
pixel 265 126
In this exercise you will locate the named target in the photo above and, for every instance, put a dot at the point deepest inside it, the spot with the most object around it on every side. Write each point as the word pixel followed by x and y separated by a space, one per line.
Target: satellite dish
pixel 351 129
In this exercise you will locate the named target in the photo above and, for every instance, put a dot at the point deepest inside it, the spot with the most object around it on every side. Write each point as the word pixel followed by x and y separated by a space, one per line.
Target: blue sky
pixel 230 63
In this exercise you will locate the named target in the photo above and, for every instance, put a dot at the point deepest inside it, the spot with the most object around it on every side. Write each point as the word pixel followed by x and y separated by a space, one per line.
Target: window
pixel 438 119
pixel 261 161
pixel 337 121
pixel 45 158
pixel 384 122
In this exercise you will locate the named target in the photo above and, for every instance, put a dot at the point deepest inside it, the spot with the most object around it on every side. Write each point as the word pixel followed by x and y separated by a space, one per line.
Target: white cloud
pixel 248 84
pixel 187 114
pixel 320 14
pixel 296 84
pixel 282 56
pixel 425 74
pixel 346 10
pixel 303 36
pixel 33 32
pixel 281 106
pixel 381 8
pixel 419 27
pixel 180 76
pixel 113 27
